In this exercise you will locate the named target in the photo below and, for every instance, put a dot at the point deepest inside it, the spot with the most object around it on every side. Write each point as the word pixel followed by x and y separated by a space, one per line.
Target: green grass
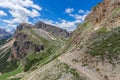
pixel 102 30
pixel 85 24
pixel 12 73
pixel 51 51
pixel 4 65
pixel 42 57
pixel 61 71
pixel 116 11
pixel 106 45
pixel 72 71
pixel 71 42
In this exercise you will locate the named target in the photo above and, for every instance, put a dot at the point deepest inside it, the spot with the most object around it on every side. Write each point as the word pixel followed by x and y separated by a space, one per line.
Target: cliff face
pixel 52 29
pixel 102 11
pixel 105 15
pixel 31 39
pixel 31 46
pixel 94 45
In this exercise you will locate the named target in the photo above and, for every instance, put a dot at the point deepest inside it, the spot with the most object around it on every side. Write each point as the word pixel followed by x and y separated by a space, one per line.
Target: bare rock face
pixel 52 29
pixel 24 25
pixel 38 48
pixel 102 11
pixel 22 43
pixel 21 27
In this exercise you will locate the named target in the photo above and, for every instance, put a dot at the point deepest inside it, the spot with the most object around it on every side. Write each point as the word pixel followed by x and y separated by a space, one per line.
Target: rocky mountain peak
pixel 102 11
pixel 32 37
pixel 24 25
pixel 2 30
pixel 52 29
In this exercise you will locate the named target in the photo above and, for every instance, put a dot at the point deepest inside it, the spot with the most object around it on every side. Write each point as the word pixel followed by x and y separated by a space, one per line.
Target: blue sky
pixel 65 14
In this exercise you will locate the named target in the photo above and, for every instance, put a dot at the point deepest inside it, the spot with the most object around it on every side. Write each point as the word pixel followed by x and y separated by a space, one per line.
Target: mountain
pixel 31 46
pixel 12 31
pixel 46 52
pixel 4 34
pixel 29 37
pixel 52 29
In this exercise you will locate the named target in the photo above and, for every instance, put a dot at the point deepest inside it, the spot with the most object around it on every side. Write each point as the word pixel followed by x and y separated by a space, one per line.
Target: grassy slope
pixel 8 69
pixel 55 70
pixel 106 43
pixel 52 50
pixel 12 73
pixel 4 65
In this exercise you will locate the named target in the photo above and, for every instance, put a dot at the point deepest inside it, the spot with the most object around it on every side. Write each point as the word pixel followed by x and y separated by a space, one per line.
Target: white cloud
pixel 13 3
pixel 62 23
pixel 69 25
pixel 19 10
pixel 2 13
pixel 87 12
pixel 66 24
pixel 69 10
pixel 51 22
pixel 81 16
pixel 81 11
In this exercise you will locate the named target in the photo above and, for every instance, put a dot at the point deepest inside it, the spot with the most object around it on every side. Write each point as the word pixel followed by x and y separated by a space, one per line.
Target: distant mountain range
pixel 4 34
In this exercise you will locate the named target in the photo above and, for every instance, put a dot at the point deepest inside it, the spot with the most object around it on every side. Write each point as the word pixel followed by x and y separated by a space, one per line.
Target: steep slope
pixel 31 47
pixel 91 53
pixel 93 49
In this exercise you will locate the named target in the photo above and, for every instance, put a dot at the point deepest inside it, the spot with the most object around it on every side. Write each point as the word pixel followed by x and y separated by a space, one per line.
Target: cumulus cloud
pixel 80 15
pixel 2 13
pixel 20 10
pixel 24 10
pixel 66 24
pixel 69 10
pixel 69 25
pixel 81 11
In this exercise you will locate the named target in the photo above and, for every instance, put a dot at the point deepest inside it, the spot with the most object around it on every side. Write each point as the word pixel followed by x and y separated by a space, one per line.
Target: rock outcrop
pixel 28 39
pixel 102 11
pixel 52 29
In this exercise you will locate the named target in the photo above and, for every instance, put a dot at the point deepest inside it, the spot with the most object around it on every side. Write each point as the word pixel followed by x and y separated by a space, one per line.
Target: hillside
pixel 92 50
pixel 46 52
pixel 30 47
